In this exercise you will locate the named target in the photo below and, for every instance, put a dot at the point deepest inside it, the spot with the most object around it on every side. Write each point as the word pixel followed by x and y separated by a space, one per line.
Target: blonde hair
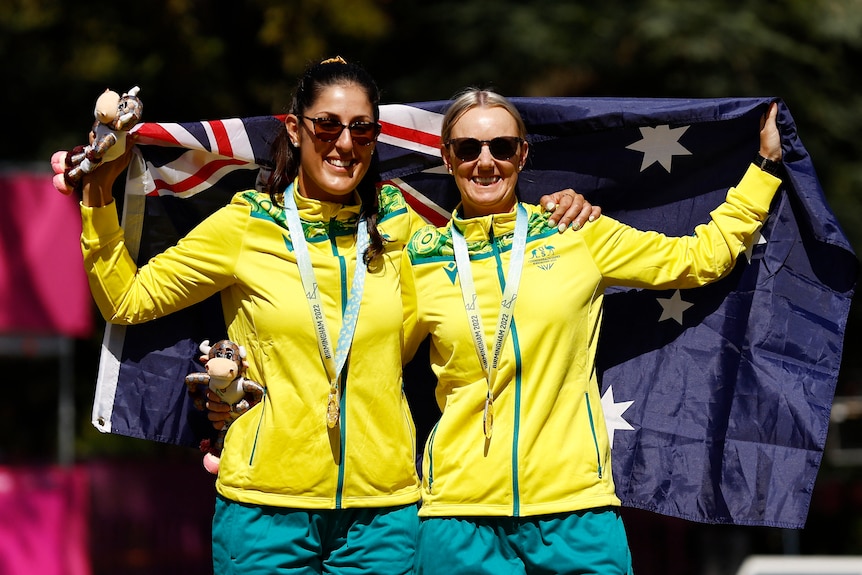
pixel 477 98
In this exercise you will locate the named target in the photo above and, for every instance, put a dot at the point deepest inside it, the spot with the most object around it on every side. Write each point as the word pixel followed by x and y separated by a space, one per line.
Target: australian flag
pixel 717 399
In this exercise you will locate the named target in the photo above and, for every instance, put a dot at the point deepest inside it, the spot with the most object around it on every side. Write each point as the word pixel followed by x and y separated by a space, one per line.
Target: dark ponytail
pixel 317 78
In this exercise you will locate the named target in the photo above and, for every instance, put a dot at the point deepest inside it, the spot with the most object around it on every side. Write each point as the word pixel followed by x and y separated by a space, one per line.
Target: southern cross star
pixel 673 307
pixel 614 413
pixel 660 145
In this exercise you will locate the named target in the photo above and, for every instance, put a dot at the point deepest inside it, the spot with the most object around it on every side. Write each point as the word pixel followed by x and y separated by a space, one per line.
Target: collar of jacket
pixel 312 210
pixel 479 228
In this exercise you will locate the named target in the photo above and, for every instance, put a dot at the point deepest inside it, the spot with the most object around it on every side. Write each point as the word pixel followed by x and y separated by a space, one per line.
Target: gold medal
pixel 488 417
pixel 333 411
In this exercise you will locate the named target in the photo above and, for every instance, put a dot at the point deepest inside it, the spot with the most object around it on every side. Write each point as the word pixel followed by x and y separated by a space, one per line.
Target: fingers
pixel 569 208
pixel 217 410
pixel 219 407
pixel 58 161
pixel 563 207
pixel 773 111
pixel 58 166
pixel 218 424
pixel 770 116
pixel 218 413
pixel 577 215
pixel 770 137
pixel 98 184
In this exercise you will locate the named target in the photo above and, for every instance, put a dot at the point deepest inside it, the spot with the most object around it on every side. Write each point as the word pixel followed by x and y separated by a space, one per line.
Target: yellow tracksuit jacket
pixel 549 450
pixel 281 453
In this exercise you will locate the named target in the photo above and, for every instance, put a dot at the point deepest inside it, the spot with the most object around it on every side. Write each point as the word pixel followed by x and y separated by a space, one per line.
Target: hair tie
pixel 335 60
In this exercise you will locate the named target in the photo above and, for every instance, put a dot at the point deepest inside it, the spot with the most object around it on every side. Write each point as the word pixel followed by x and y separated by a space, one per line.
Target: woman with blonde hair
pixel 517 472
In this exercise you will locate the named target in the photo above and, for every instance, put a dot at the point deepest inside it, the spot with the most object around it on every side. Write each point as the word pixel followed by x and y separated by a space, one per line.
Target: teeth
pixel 340 163
pixel 485 181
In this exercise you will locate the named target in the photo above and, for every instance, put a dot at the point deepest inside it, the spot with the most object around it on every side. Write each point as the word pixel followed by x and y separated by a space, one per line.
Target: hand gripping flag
pixel 717 399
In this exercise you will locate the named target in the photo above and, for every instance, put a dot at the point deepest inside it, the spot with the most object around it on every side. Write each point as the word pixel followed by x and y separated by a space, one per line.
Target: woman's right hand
pixel 98 185
pixel 218 412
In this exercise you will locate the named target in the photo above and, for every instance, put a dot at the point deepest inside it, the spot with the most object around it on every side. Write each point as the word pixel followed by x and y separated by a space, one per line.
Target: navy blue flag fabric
pixel 717 399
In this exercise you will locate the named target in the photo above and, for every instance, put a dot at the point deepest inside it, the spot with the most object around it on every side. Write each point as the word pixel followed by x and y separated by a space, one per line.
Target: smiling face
pixel 487 184
pixel 330 171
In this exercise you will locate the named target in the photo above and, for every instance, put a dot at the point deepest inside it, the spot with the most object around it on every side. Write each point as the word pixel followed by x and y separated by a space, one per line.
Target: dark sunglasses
pixel 328 130
pixel 468 149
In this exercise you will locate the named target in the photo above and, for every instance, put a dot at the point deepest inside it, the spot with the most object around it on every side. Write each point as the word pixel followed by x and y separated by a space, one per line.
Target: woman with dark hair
pixel 319 477
pixel 517 472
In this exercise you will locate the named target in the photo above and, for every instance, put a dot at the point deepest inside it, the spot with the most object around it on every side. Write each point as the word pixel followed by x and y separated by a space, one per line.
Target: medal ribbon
pixel 507 305
pixel 334 366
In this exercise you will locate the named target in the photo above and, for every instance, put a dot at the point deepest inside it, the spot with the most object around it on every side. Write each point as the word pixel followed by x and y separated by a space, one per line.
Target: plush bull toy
pixel 225 364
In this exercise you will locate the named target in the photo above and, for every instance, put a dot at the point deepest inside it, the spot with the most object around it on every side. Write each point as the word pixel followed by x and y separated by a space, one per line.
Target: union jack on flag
pixel 717 399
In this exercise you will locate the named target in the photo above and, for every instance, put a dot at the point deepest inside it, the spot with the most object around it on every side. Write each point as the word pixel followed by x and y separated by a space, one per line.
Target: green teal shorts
pixel 592 541
pixel 252 539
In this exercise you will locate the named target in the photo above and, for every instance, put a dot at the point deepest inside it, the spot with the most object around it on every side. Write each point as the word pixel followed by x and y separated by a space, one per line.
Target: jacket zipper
pixel 516 498
pixel 593 431
pixel 339 494
pixel 257 431
pixel 431 458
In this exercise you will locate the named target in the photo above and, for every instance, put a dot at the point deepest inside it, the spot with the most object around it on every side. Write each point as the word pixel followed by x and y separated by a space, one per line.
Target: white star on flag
pixel 756 240
pixel 614 414
pixel 673 307
pixel 660 144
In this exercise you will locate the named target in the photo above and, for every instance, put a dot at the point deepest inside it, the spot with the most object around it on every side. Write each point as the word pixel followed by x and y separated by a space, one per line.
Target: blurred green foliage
pixel 197 59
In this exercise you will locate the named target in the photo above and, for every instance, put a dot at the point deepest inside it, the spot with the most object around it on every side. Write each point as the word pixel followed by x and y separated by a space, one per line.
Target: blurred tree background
pixel 200 59
pixel 197 60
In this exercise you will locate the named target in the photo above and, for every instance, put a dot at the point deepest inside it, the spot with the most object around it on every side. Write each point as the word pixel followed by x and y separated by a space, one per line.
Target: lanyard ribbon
pixel 507 305
pixel 334 366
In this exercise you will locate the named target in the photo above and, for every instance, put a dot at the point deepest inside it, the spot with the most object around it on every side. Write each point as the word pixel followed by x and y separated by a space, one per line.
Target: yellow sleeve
pixel 626 256
pixel 200 265
pixel 413 333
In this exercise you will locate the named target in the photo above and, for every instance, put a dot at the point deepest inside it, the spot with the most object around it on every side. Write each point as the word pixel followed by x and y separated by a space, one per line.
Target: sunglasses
pixel 328 130
pixel 468 149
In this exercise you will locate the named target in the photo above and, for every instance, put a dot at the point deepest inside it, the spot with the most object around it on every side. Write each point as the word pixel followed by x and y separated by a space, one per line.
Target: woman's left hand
pixel 770 137
pixel 569 207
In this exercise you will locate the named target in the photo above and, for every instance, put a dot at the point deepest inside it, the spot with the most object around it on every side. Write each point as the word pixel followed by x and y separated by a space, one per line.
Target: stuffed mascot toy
pixel 115 116
pixel 225 365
